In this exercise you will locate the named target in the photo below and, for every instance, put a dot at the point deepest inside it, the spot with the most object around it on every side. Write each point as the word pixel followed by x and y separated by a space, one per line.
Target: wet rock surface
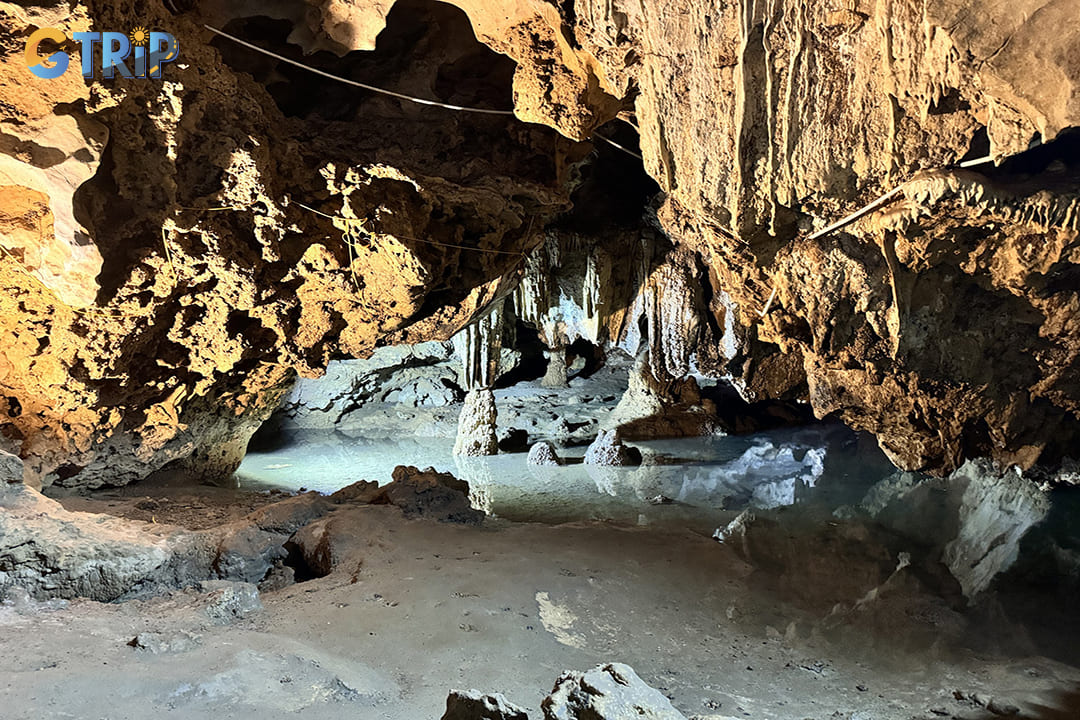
pixel 544 454
pixel 608 450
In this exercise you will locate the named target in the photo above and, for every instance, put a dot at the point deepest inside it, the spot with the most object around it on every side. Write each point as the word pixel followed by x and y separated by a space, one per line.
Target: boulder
pixel 607 692
pixel 364 491
pixel 473 705
pixel 543 453
pixel 248 554
pixel 230 601
pixel 608 449
pixel 430 494
pixel 50 552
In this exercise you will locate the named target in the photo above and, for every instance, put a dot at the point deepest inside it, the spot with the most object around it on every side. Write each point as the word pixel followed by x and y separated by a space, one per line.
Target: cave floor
pixel 415 608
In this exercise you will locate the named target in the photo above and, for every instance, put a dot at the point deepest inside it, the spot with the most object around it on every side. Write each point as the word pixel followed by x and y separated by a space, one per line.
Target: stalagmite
pixel 479 346
pixel 556 375
pixel 476 427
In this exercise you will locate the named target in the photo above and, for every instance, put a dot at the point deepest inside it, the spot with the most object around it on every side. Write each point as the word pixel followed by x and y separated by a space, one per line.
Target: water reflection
pixel 693 481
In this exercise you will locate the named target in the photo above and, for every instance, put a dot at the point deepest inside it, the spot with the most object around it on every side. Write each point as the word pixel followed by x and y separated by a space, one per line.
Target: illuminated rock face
pixel 214 290
pixel 163 284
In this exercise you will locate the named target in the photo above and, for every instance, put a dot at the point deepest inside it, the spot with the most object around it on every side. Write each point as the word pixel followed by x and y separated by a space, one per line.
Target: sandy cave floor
pixel 577 568
pixel 420 607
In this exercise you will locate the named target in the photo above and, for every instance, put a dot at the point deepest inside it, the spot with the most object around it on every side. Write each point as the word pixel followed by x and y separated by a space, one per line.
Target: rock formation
pixel 544 454
pixel 662 406
pixel 431 494
pixel 11 468
pixel 608 450
pixel 611 692
pixel 176 252
pixel 476 427
pixel 214 288
pixel 607 692
pixel 473 705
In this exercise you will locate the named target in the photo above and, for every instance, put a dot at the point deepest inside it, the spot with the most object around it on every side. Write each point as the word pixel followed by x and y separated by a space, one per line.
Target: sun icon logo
pixel 140 36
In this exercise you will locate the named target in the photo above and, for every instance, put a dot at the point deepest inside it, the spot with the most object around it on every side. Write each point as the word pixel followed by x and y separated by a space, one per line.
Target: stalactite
pixel 1044 210
pixel 479 346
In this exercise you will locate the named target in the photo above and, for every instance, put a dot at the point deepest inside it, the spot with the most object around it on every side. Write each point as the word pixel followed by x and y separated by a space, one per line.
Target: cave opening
pixel 427 50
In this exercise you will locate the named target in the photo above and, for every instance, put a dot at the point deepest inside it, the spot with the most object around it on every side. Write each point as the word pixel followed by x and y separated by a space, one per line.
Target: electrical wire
pixel 355 83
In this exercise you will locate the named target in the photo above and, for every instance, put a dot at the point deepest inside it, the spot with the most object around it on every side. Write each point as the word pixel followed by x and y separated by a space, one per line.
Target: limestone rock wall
pixel 164 278
pixel 216 286
pixel 943 323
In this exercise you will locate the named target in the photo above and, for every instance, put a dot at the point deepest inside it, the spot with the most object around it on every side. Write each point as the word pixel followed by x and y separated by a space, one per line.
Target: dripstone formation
pixel 176 252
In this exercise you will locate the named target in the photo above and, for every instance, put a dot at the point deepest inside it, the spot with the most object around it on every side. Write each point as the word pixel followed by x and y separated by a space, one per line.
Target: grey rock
pixel 160 643
pixel 473 705
pixel 978 515
pixel 996 511
pixel 476 427
pixel 608 449
pixel 52 553
pixel 247 554
pixel 11 468
pixel 543 453
pixel 431 494
pixel 230 601
pixel 427 388
pixel 1068 473
pixel 607 692
pixel 418 375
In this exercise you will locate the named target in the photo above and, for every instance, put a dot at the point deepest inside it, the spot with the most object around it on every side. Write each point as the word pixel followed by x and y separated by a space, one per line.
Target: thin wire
pixel 354 83
pixel 977 161
pixel 864 210
pixel 391 93
pixel 612 142
pixel 406 237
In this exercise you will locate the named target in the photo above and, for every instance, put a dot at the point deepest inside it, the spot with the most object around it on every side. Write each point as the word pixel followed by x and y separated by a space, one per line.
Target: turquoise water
pixel 692 482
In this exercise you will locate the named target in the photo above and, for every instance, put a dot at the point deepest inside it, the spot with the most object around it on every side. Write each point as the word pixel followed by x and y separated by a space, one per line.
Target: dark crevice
pixel 615 190
pixel 427 50
pixel 979 146
pixel 303 571
pixel 532 365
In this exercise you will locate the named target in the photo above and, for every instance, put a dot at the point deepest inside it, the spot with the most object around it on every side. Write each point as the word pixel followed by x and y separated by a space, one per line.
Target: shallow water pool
pixel 692 482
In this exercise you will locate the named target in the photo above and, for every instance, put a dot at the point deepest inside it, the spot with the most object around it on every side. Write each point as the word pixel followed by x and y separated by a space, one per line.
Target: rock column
pixel 479 346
